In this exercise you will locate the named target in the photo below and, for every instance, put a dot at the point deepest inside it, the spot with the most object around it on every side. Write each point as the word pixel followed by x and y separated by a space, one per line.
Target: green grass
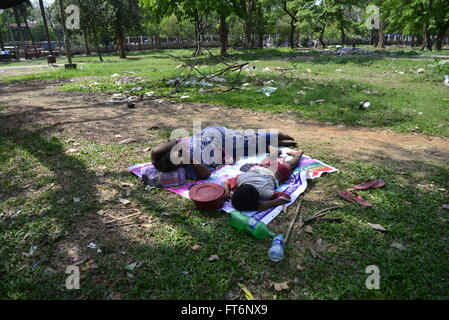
pixel 47 216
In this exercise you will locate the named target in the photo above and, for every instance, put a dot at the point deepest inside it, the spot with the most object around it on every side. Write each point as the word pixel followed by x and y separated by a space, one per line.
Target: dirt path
pixel 91 114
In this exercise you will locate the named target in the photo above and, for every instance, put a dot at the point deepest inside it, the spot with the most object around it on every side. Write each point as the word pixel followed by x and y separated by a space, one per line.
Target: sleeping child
pixel 254 190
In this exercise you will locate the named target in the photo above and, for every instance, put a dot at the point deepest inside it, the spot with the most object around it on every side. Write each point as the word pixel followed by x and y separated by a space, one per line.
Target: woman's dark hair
pixel 245 198
pixel 163 163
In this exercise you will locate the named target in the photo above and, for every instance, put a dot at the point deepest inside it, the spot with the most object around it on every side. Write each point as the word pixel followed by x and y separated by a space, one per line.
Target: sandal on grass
pixel 370 184
pixel 354 197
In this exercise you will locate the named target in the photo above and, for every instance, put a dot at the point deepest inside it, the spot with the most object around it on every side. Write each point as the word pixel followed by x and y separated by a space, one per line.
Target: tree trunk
pixel 427 41
pixel 197 34
pixel 323 45
pixel 439 42
pixel 99 51
pixel 249 42
pixel 292 32
pixel 223 35
pixel 381 44
pixel 260 40
pixel 24 16
pixel 120 37
pixel 19 25
pixel 413 41
pixel 157 39
pixel 2 44
pixel 375 34
pixel 44 19
pixel 86 43
pixel 343 35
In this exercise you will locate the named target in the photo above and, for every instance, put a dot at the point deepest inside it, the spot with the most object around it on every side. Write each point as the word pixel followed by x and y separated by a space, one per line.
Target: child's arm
pixel 227 191
pixel 265 205
pixel 229 185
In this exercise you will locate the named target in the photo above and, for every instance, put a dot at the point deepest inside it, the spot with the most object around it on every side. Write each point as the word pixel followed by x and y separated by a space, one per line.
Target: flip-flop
pixel 348 196
pixel 370 184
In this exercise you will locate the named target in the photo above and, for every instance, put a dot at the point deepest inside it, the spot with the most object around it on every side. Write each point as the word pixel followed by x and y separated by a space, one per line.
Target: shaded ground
pixel 36 118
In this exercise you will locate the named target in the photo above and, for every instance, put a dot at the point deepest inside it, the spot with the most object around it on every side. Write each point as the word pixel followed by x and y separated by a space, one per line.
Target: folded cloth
pixel 154 178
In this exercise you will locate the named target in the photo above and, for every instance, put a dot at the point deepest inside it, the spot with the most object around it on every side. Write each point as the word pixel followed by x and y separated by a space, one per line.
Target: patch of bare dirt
pixel 90 114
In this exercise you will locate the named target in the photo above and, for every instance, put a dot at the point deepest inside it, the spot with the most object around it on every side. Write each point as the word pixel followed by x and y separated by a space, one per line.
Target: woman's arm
pixel 265 205
pixel 163 148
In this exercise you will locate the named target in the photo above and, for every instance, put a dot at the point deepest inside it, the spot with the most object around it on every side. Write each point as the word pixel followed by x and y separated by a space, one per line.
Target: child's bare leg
pixel 297 155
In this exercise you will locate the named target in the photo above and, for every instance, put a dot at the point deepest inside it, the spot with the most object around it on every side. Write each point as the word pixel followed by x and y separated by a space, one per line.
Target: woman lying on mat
pixel 199 154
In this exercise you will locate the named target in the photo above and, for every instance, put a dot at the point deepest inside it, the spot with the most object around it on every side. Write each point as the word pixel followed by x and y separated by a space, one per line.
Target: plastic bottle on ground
pixel 276 252
pixel 250 225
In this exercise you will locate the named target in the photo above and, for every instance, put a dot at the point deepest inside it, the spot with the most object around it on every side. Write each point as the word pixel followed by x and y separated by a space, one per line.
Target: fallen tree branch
pixel 320 214
pixel 125 217
pixel 293 220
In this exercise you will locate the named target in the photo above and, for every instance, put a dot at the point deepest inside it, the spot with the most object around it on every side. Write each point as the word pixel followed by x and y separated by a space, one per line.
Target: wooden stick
pixel 125 217
pixel 319 214
pixel 293 221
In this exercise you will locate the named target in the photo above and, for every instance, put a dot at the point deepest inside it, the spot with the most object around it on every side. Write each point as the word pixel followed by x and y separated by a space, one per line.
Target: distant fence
pixel 136 43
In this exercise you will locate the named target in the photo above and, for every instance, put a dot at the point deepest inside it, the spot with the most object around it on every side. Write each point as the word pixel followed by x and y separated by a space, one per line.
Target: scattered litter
pixel 213 257
pixel 129 79
pixel 268 90
pixel 446 81
pixel 377 227
pixel 149 94
pixel 280 286
pixel 317 102
pixel 309 70
pixel 364 105
pixel 299 267
pixel 173 81
pixel 89 265
pixel 72 150
pixel 124 201
pixel 132 266
pixel 397 245
pixel 202 83
pixel 125 141
pixel 308 229
pixel 339 70
pixel 445 206
pixel 149 188
pixel 245 84
pixel 296 101
pixel 218 79
pixel 184 97
pixel 401 72
pixel 136 89
pixel 182 65
pixel 421 70
pixel 371 93
pixel 115 75
pixel 302 92
pixel 196 247
pixel 248 294
pixel 346 50
pixel 92 245
pixel 31 252
pixel 76 200
pixel 267 83
pixel 184 273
